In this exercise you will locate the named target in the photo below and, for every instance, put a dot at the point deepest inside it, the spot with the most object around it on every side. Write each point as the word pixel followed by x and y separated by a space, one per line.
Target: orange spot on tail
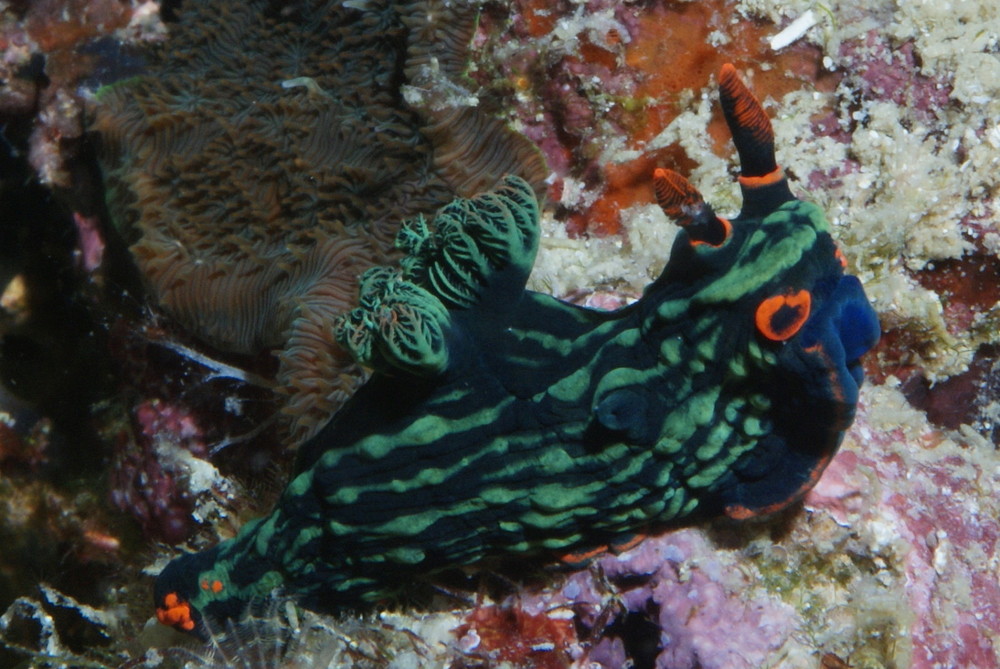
pixel 175 612
pixel 779 317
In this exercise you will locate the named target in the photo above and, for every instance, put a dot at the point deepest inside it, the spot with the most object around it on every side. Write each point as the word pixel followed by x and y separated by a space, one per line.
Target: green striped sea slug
pixel 504 422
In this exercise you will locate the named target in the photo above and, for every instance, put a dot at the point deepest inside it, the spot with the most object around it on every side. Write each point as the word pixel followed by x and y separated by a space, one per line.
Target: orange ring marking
pixel 772 177
pixel 793 308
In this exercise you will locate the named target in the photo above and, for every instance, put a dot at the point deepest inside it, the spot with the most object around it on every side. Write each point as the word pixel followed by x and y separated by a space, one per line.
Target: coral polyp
pixel 265 160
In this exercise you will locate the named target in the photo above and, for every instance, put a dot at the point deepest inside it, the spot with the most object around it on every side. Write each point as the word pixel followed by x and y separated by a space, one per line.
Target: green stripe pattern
pixel 500 421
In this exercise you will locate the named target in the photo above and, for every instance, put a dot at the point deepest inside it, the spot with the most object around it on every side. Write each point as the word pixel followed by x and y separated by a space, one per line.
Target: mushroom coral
pixel 264 159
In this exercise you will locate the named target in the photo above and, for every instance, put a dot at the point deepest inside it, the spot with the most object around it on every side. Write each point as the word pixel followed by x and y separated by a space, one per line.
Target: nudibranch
pixel 500 421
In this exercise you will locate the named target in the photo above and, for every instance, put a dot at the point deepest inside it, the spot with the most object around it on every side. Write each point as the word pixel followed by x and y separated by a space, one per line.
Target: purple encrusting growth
pixel 145 484
pixel 703 605
pixel 887 72
pixel 693 594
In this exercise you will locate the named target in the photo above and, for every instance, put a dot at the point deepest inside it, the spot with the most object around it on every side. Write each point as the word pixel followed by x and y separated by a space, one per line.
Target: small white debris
pixel 794 30
pixel 941 553
pixel 307 83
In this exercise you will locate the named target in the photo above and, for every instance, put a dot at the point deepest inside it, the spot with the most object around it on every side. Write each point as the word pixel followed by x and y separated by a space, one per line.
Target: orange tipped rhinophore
pixel 682 202
pixel 762 180
pixel 749 124
pixel 676 195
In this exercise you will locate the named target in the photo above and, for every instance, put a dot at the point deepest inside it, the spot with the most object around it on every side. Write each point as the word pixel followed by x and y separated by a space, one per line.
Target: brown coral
pixel 268 156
